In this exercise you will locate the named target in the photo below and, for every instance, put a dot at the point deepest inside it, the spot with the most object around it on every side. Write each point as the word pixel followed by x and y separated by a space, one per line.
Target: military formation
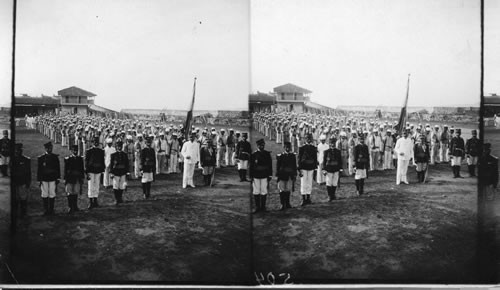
pixel 111 153
pixel 325 148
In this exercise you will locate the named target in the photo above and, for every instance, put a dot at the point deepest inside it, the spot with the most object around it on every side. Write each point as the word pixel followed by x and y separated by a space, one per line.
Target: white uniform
pixel 191 154
pixel 404 151
pixel 320 178
pixel 107 162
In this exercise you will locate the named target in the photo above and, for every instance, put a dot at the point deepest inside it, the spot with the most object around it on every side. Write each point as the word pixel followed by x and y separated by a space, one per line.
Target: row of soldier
pixel 116 164
pixel 363 152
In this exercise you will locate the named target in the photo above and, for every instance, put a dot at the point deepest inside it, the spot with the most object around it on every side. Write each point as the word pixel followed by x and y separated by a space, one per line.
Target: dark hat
pixel 244 134
pixel 260 142
pixel 48 144
pixel 119 141
pixel 74 147
pixel 287 144
pixel 474 131
pixel 458 130
pixel 332 140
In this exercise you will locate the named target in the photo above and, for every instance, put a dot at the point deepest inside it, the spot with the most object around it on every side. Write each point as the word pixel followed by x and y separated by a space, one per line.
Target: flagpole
pixel 190 114
pixel 404 111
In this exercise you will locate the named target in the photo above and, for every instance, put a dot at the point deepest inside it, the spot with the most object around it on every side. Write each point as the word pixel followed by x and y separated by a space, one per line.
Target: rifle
pixel 212 178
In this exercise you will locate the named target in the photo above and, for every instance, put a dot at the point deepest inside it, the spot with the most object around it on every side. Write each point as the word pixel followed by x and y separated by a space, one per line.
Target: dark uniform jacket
pixel 207 156
pixel 472 147
pixel 261 164
pixel 94 160
pixel 286 166
pixel 148 160
pixel 21 171
pixel 5 145
pixel 243 150
pixel 361 156
pixel 119 163
pixel 332 160
pixel 421 153
pixel 457 147
pixel 488 170
pixel 48 167
pixel 73 169
pixel 308 157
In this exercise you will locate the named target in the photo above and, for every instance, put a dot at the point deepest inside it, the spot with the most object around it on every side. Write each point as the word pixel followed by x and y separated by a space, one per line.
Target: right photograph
pixel 366 123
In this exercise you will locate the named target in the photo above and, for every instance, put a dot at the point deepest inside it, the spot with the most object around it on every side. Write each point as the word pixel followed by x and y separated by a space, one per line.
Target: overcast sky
pixel 6 14
pixel 136 54
pixel 360 52
pixel 492 47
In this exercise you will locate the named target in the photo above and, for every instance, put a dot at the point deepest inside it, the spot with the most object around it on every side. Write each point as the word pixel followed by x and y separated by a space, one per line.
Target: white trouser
pixel 48 189
pixel 120 182
pixel 221 153
pixel 401 171
pixel 259 186
pixel 332 178
pixel 229 156
pixel 243 164
pixel 320 178
pixel 107 179
pixel 388 160
pixel 472 160
pixel 137 165
pixel 161 162
pixel 306 181
pixel 456 160
pixel 434 153
pixel 443 152
pixel 172 164
pixel 93 185
pixel 187 177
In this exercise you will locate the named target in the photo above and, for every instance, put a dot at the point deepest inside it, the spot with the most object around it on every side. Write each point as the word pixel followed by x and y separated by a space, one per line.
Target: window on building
pixel 282 96
pixel 66 99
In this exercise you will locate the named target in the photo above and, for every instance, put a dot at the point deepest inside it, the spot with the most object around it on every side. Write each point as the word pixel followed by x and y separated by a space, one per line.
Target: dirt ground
pixel 417 233
pixel 194 236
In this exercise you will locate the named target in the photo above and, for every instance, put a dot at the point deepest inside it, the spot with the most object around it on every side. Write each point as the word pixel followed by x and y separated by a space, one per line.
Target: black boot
pixel 473 170
pixel 120 196
pixel 95 202
pixel 145 190
pixel 91 203
pixel 115 193
pixel 304 200
pixel 361 186
pixel 75 203
pixel 244 174
pixel 458 172
pixel 334 189
pixel 240 172
pixel 357 185
pixel 24 207
pixel 263 202
pixel 51 205
pixel 45 205
pixel 309 199
pixel 287 199
pixel 257 203
pixel 148 187
pixel 282 200
pixel 3 169
pixel 70 204
pixel 454 168
pixel 329 191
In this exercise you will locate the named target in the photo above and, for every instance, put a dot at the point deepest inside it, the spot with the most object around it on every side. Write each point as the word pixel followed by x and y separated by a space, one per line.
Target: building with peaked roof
pixel 75 100
pixel 26 105
pixel 290 97
pixel 261 102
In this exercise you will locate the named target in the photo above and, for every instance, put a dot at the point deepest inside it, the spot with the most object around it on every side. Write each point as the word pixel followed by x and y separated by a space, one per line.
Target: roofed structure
pixel 76 92
pixel 291 89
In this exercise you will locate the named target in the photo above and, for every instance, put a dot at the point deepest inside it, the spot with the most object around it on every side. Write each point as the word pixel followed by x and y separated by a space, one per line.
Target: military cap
pixel 487 145
pixel 244 134
pixel 139 135
pixel 119 141
pixel 109 140
pixel 74 147
pixel 474 131
pixel 48 144
pixel 458 130
pixel 332 140
pixel 260 142
pixel 322 137
pixel 129 137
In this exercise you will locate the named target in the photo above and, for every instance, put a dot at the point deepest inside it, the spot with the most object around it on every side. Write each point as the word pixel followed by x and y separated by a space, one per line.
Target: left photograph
pixel 131 142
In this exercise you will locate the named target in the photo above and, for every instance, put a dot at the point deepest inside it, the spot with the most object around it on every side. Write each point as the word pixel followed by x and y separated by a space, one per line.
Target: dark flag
pixel 189 117
pixel 404 114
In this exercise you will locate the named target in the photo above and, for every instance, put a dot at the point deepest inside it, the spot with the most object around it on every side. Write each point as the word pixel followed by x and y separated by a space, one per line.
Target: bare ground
pixel 195 236
pixel 422 233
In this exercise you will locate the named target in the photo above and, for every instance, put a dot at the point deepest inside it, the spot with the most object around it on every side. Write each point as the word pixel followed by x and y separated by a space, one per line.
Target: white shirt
pixel 405 146
pixel 107 155
pixel 321 150
pixel 192 150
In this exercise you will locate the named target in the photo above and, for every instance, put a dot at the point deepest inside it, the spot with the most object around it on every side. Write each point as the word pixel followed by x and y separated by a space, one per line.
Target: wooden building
pixel 75 100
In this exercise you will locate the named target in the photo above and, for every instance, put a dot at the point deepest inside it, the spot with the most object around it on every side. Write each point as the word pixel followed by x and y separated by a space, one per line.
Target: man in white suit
pixel 191 154
pixel 404 151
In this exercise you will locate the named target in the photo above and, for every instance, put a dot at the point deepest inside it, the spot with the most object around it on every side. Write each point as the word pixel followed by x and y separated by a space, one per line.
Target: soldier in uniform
pixel 5 145
pixel 119 171
pixel 94 167
pixel 422 156
pixel 286 173
pixel 444 139
pixel 435 143
pixel 243 151
pixel 148 167
pixel 472 147
pixel 108 150
pixel 138 146
pixel 174 146
pixel 74 173
pixel 231 143
pixel 261 171
pixel 191 153
pixel 322 147
pixel 308 162
pixel 49 172
pixel 21 179
pixel 343 146
pixel 388 145
pixel 404 151
pixel 208 160
pixel 221 148
pixel 457 152
pixel 332 166
pixel 488 173
pixel 361 165
pixel 128 148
